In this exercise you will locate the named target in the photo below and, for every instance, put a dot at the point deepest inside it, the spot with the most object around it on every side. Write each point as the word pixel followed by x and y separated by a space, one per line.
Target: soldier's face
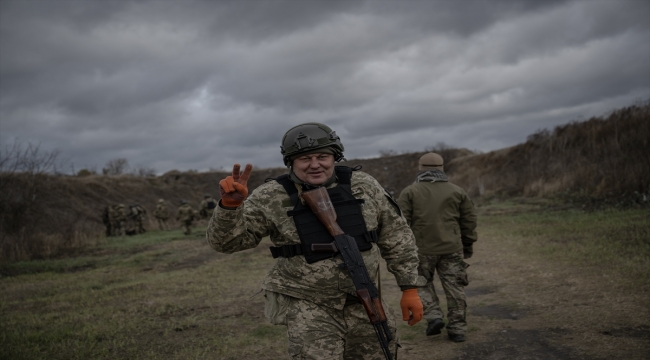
pixel 314 169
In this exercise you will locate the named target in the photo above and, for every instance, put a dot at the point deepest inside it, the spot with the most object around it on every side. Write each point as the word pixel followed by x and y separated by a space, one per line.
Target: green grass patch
pixel 616 238
pixel 136 250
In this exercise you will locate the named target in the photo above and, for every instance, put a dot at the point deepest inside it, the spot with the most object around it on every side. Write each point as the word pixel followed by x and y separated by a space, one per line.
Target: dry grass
pixel 595 159
pixel 545 283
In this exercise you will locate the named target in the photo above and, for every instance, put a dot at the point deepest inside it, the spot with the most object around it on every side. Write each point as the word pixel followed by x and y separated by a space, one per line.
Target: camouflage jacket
pixel 186 213
pixel 162 211
pixel 120 214
pixel 137 212
pixel 264 213
pixel 204 207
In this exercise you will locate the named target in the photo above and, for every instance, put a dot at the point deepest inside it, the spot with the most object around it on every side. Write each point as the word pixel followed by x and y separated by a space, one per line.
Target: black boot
pixel 434 326
pixel 457 337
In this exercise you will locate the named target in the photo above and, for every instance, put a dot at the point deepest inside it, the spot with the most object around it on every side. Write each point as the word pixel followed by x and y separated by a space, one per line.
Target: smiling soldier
pixel 312 293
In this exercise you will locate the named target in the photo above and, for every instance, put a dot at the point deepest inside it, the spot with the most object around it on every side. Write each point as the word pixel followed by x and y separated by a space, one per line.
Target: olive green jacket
pixel 264 213
pixel 440 214
pixel 186 213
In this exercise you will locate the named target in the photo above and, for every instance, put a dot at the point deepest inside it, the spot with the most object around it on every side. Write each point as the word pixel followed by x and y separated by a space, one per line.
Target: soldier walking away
pixel 186 214
pixel 120 218
pixel 162 214
pixel 137 215
pixel 310 292
pixel 443 221
pixel 206 208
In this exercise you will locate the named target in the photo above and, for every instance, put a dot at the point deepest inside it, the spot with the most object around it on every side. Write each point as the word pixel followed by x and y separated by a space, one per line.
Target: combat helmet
pixel 308 137
pixel 160 201
pixel 205 196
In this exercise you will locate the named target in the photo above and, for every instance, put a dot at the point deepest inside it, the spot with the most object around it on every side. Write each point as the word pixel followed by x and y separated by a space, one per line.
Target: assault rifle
pixel 319 202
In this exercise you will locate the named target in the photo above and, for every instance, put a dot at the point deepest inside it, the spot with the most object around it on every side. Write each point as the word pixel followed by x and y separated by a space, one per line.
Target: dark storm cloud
pixel 202 84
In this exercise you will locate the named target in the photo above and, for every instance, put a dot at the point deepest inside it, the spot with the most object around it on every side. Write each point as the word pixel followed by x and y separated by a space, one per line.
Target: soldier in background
pixel 106 219
pixel 206 208
pixel 162 214
pixel 443 221
pixel 119 220
pixel 186 214
pixel 137 215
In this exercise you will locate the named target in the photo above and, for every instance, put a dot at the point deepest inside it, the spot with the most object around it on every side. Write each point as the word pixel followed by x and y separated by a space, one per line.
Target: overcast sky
pixel 199 85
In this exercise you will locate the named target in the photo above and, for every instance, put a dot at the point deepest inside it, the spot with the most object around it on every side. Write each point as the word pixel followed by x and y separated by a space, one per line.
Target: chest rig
pixel 312 231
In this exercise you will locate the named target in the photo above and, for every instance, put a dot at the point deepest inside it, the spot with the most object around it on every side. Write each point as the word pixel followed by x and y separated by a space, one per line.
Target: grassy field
pixel 577 280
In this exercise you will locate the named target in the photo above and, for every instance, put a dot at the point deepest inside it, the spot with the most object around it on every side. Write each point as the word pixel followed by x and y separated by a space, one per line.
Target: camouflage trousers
pixel 119 227
pixel 323 333
pixel 139 226
pixel 162 224
pixel 453 276
pixel 187 227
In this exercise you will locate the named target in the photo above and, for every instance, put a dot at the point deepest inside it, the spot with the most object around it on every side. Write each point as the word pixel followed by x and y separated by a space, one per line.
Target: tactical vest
pixel 312 231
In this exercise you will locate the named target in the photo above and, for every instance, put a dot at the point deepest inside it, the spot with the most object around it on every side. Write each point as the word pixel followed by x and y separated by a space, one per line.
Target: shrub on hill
pixel 598 159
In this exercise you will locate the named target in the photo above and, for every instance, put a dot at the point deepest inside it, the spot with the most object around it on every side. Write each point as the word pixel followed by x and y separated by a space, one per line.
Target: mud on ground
pixel 522 306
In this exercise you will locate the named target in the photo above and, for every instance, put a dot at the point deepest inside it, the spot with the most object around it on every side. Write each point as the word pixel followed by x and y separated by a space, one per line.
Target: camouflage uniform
pixel 186 215
pixel 106 219
pixel 207 206
pixel 443 220
pixel 162 214
pixel 323 316
pixel 119 220
pixel 137 214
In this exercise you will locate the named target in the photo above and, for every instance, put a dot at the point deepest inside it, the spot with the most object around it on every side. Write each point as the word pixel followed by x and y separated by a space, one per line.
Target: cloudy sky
pixel 199 85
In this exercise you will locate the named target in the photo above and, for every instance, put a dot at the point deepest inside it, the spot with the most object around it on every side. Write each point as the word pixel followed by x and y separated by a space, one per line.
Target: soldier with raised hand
pixel 312 293
pixel 162 214
pixel 186 214
pixel 443 220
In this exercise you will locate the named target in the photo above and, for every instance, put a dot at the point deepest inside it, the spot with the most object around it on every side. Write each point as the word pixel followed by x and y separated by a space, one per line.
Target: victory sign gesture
pixel 234 188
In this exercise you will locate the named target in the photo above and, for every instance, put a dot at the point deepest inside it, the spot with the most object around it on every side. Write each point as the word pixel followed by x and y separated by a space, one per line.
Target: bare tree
pixel 116 167
pixel 28 159
pixel 144 171
pixel 23 170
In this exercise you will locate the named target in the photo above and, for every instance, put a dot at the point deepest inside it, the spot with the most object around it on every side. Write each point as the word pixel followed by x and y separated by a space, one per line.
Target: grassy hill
pixel 601 160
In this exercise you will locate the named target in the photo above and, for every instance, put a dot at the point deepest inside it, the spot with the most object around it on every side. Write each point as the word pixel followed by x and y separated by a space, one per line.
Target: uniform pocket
pixel 275 307
pixel 461 276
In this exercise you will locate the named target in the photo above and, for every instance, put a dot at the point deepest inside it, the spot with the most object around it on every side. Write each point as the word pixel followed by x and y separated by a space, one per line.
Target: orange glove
pixel 411 303
pixel 233 188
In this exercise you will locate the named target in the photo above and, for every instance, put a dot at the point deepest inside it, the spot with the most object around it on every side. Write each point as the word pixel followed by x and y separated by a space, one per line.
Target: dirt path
pixel 525 306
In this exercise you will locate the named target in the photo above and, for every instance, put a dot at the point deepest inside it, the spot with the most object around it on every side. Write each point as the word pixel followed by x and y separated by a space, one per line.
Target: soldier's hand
pixel 234 188
pixel 412 309
pixel 468 251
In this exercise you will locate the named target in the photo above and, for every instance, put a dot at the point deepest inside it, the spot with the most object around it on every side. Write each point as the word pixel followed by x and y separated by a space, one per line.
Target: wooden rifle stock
pixel 319 202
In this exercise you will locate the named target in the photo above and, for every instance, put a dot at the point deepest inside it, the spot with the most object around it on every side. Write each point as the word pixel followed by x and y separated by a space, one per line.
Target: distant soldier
pixel 112 219
pixel 137 215
pixel 162 214
pixel 186 214
pixel 106 219
pixel 443 221
pixel 119 220
pixel 206 208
